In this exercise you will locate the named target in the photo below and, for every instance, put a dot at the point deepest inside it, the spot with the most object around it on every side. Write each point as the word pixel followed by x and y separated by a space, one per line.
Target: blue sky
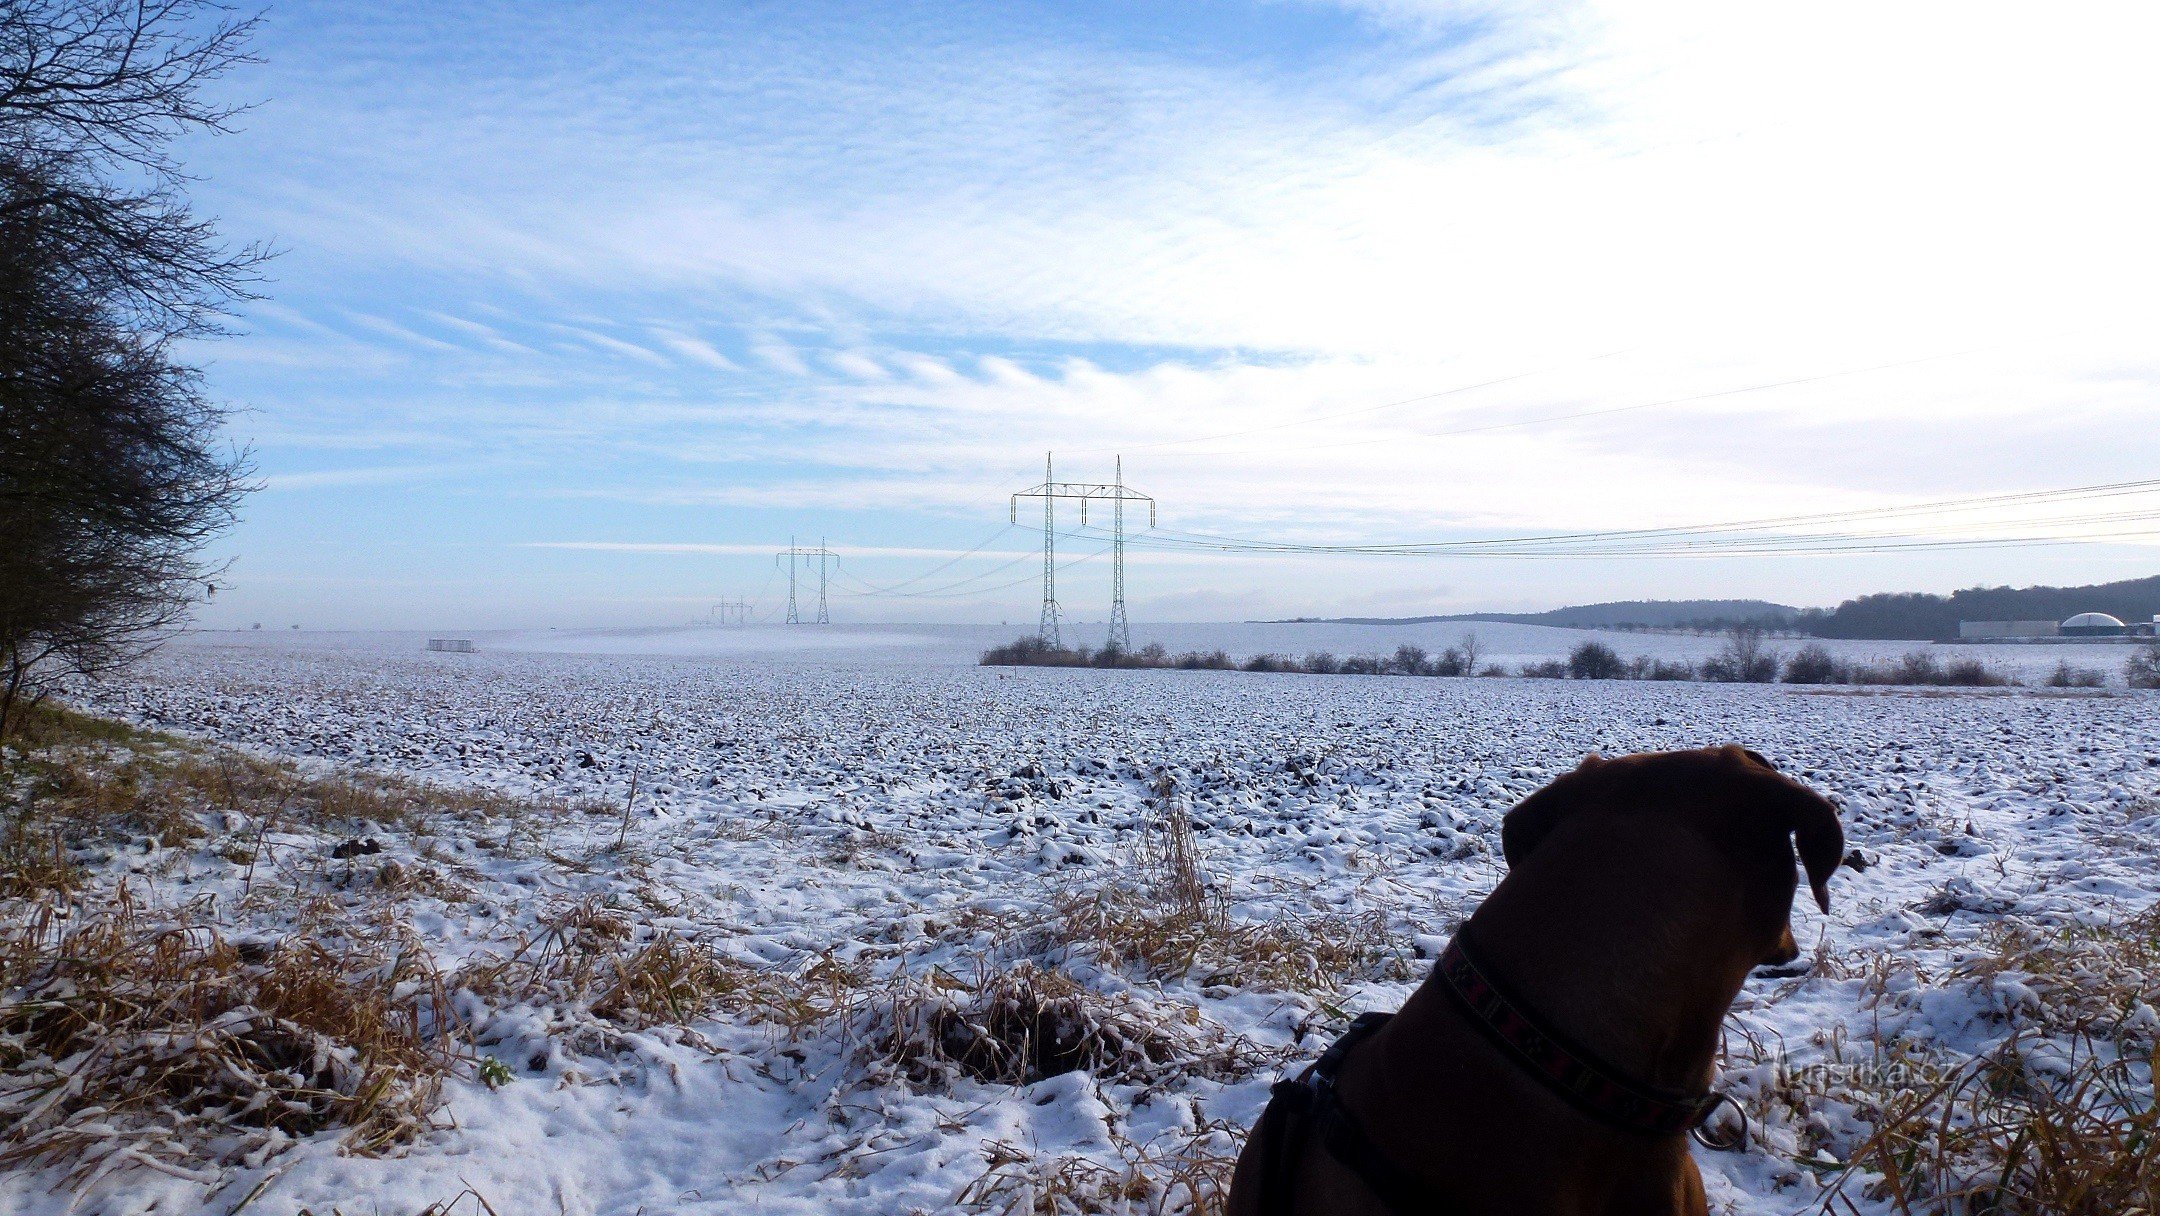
pixel 585 309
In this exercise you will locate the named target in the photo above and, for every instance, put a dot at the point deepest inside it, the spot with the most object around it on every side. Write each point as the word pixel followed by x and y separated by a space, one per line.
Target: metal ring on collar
pixel 1723 1144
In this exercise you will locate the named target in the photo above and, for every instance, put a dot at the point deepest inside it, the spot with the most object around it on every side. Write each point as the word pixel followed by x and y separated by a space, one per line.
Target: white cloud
pixel 697 350
pixel 1935 218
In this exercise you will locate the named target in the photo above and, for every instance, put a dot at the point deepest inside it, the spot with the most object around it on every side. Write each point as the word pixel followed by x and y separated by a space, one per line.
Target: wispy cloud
pixel 378 475
pixel 1273 260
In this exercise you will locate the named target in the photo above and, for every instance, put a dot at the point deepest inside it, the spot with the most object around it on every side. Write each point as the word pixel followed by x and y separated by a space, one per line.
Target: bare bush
pixel 2067 676
pixel 1814 664
pixel 2142 669
pixel 1595 661
pixel 1743 659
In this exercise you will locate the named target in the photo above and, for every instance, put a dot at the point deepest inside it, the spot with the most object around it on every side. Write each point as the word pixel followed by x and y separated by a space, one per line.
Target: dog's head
pixel 1749 815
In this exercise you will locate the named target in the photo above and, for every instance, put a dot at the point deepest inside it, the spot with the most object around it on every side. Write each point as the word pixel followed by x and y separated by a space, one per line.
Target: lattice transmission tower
pixel 796 555
pixel 1118 494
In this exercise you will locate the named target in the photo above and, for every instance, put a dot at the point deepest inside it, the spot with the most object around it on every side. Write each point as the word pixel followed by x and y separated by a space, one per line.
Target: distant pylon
pixel 1048 631
pixel 1120 631
pixel 1118 494
pixel 792 619
pixel 823 618
pixel 795 554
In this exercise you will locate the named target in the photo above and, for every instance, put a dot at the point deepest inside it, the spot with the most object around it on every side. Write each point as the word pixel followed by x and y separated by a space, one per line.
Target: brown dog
pixel 1640 893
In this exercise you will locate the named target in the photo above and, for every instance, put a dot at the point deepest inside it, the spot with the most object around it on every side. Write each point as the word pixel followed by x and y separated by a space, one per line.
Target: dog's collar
pixel 1593 1086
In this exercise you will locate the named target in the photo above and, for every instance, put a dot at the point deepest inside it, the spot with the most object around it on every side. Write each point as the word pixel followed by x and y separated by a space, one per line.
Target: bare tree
pixel 1742 659
pixel 1468 646
pixel 111 474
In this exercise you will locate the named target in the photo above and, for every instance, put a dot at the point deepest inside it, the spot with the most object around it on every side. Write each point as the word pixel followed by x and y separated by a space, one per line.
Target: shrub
pixel 1321 663
pixel 1595 661
pixel 1814 664
pixel 1742 660
pixel 1364 665
pixel 1451 662
pixel 1032 652
pixel 1972 673
pixel 1269 662
pixel 2066 676
pixel 2142 669
pixel 1922 668
pixel 1660 669
pixel 1550 669
pixel 1409 661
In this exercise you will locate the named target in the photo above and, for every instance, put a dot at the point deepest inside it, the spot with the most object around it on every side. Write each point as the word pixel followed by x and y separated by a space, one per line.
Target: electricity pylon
pixel 795 554
pixel 1120 632
pixel 1118 494
pixel 730 612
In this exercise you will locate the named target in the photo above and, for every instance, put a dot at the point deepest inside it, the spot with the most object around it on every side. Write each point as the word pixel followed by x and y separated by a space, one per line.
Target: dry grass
pixel 129 1037
pixel 72 783
pixel 2059 1118
pixel 2034 1128
pixel 589 956
pixel 1174 923
pixel 1189 1177
pixel 1317 954
pixel 1018 1025
pixel 2095 980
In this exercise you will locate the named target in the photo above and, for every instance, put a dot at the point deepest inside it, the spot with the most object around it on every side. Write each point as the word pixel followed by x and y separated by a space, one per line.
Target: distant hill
pixel 1622 614
pixel 1913 616
pixel 1920 615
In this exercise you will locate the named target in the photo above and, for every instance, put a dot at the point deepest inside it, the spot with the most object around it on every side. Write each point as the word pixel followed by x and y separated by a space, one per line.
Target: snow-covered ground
pixel 868 799
pixel 960 645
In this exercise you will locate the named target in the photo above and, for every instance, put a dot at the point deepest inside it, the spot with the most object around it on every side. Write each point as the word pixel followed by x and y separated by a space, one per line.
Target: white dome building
pixel 2093 625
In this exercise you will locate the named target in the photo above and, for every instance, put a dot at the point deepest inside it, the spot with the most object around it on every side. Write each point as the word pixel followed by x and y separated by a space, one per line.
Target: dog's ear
pixel 1810 818
pixel 1820 837
pixel 1532 820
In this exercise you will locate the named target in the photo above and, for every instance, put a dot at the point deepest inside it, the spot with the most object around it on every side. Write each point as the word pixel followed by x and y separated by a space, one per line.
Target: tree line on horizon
pixel 1917 616
pixel 1747 657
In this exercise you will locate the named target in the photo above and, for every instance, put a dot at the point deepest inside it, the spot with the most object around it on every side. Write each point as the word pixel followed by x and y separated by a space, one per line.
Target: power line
pixel 975 591
pixel 1646 541
pixel 946 564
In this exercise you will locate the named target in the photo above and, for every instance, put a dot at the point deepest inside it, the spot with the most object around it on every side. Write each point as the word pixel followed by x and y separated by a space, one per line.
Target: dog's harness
pixel 1307 1106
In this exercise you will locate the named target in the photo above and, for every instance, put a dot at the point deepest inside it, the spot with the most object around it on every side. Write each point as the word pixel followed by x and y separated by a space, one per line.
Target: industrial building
pixel 2085 625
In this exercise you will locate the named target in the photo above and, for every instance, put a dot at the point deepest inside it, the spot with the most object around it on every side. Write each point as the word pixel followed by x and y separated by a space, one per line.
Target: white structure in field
pixel 2083 625
pixel 451 645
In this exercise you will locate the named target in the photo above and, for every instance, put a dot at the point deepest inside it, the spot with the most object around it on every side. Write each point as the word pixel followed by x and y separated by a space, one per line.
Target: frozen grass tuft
pixel 2057 1117
pixel 129 1037
pixel 1021 1024
pixel 589 956
pixel 1189 1176
pixel 1174 923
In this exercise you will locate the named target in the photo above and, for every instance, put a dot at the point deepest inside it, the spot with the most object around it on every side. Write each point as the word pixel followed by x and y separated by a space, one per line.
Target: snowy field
pixel 864 814
pixel 961 645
